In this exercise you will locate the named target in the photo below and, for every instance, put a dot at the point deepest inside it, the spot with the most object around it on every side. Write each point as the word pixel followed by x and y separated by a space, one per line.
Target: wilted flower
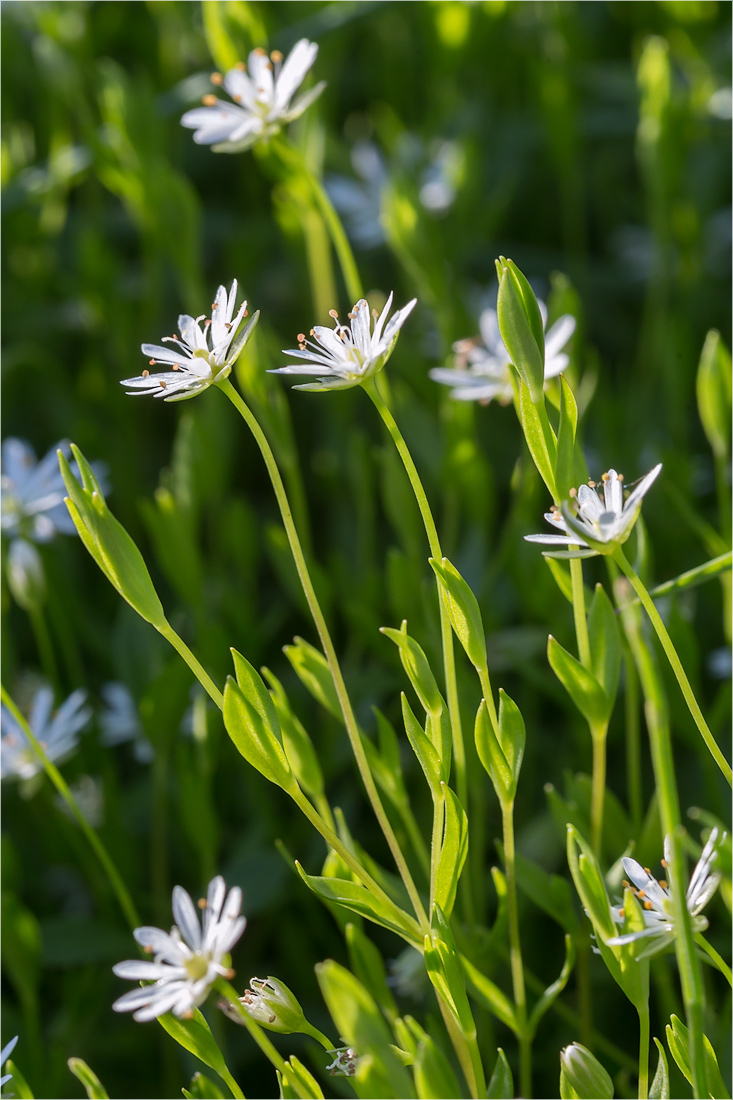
pixel 119 722
pixel 202 356
pixel 656 900
pixel 271 1004
pixel 4 1055
pixel 347 355
pixel 601 522
pixel 345 1062
pixel 483 370
pixel 33 493
pixel 188 959
pixel 58 734
pixel 262 99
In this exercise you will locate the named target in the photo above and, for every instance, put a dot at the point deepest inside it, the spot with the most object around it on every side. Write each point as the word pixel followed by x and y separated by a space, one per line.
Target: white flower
pixel 483 370
pixel 120 722
pixel 345 1062
pixel 203 356
pixel 4 1055
pixel 654 894
pixel 262 99
pixel 346 355
pixel 33 492
pixel 188 960
pixel 58 734
pixel 602 520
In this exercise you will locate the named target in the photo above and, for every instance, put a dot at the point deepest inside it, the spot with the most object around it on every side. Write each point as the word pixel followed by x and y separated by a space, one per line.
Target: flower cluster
pixel 262 92
pixel 188 959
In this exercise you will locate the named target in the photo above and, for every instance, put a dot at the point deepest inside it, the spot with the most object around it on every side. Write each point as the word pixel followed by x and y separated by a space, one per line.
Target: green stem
pixel 195 665
pixel 113 875
pixel 352 728
pixel 44 645
pixel 294 159
pixel 436 841
pixel 719 962
pixel 581 623
pixel 643 1052
pixel 598 788
pixel 515 952
pixel 648 604
pixel 464 1053
pixel 633 743
pixel 669 809
pixel 259 1036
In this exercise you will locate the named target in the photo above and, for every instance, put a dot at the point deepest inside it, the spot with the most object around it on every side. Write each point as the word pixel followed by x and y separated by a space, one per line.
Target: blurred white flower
pixel 88 794
pixel 483 370
pixel 4 1055
pixel 602 521
pixel 345 1062
pixel 346 355
pixel 188 959
pixel 119 722
pixel 203 356
pixel 33 492
pixel 654 895
pixel 58 733
pixel 262 99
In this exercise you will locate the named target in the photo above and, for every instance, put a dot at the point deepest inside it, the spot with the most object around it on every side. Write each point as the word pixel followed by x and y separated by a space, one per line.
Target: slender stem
pixel 436 841
pixel 598 787
pixel 352 728
pixel 715 957
pixel 660 741
pixel 515 952
pixel 126 903
pixel 633 743
pixel 44 644
pixel 463 1051
pixel 585 1003
pixel 581 623
pixel 643 1052
pixel 648 604
pixel 194 664
pixel 292 156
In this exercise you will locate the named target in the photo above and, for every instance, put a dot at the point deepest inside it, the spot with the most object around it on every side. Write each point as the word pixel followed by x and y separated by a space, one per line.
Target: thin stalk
pixel 717 960
pixel 292 157
pixel 352 728
pixel 633 743
pixel 663 764
pixel 598 786
pixel 643 1052
pixel 585 1004
pixel 115 880
pixel 436 841
pixel 466 1056
pixel 194 664
pixel 648 604
pixel 515 952
pixel 581 622
pixel 159 833
pixel 44 645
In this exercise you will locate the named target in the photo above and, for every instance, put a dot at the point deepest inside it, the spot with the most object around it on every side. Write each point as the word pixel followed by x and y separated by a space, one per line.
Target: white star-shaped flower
pixel 58 733
pixel 188 959
pixel 483 370
pixel 602 521
pixel 263 99
pixel 202 356
pixel 33 492
pixel 656 900
pixel 346 355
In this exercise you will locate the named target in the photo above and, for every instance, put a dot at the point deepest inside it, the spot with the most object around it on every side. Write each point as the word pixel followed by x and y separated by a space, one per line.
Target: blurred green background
pixel 590 142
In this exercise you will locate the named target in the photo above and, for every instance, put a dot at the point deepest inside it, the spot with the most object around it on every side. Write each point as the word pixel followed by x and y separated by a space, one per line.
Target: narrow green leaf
pixel 565 457
pixel 489 995
pixel 312 669
pixel 254 691
pixel 512 736
pixel 452 853
pixel 659 1088
pixel 368 966
pixel 678 1041
pixel 202 1088
pixel 434 1078
pixel 501 1085
pixel 421 745
pixel 415 664
pixel 464 611
pixel 301 1080
pixel 93 1087
pixel 517 313
pixel 298 746
pixel 714 393
pixel 355 897
pixel 254 738
pixel 195 1036
pixel 543 459
pixel 605 642
pixel 491 756
pixel 553 991
pixel 580 684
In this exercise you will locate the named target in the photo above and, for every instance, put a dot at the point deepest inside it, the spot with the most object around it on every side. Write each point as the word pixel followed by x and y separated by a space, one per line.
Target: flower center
pixel 197 967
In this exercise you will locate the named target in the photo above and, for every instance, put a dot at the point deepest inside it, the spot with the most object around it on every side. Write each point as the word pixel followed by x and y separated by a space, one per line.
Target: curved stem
pixel 643 1052
pixel 515 952
pixel 648 604
pixel 717 959
pixel 352 728
pixel 194 664
pixel 115 880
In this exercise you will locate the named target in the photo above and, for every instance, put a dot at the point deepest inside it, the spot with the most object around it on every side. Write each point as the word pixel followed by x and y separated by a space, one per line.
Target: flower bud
pixel 584 1073
pixel 26 578
pixel 271 1004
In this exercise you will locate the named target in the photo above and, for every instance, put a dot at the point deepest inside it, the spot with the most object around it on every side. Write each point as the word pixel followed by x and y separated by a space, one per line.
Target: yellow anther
pixel 209 100
pixel 217 78
pixel 276 56
pixel 146 373
pixel 333 313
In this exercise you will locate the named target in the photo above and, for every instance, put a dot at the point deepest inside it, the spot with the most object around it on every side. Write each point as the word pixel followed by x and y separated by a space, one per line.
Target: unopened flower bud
pixel 271 1004
pixel 584 1073
pixel 26 578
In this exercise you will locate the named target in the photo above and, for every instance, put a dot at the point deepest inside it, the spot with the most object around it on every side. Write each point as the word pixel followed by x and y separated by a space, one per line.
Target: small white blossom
pixel 33 492
pixel 119 722
pixel 654 895
pixel 483 370
pixel 188 959
pixel 345 1063
pixel 4 1055
pixel 602 520
pixel 346 355
pixel 263 99
pixel 201 357
pixel 57 733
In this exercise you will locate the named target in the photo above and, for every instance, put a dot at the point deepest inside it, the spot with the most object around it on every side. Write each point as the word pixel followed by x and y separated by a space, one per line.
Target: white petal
pixel 185 915
pixel 292 74
pixel 643 487
pixel 240 88
pixel 558 335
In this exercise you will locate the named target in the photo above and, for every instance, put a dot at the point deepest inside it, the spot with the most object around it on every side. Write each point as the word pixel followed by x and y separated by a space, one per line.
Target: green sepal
pixel 463 609
pixel 311 668
pixel 254 737
pixel 542 452
pixel 565 456
pixel 108 542
pixel 581 685
pixel 355 897
pixel 201 1088
pixel 415 664
pixel 453 852
pixel 298 746
pixel 678 1041
pixel 605 643
pixel 423 748
pixel 93 1087
pixel 362 1026
pixel 659 1088
pixel 521 327
pixel 501 1083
